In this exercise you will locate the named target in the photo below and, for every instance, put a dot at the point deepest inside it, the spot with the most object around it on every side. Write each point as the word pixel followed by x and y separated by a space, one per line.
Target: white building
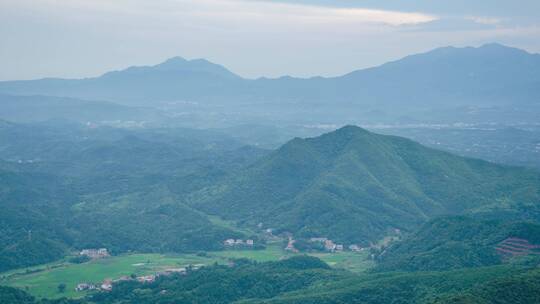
pixel 228 242
pixel 95 253
pixel 355 248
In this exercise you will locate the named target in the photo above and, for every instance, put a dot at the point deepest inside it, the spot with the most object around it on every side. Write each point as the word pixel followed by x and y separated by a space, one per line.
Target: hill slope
pixel 354 186
pixel 457 242
pixel 76 187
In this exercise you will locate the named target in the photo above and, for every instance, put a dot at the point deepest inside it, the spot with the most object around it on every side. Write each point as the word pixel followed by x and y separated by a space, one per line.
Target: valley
pixel 42 281
pixel 416 181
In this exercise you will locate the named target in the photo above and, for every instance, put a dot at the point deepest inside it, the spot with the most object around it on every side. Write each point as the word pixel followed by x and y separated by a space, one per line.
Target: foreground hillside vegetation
pixel 305 279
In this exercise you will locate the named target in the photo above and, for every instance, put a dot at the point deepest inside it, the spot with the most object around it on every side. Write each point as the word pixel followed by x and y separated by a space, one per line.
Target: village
pixel 107 284
pixel 238 243
pixel 324 244
pixel 319 243
pixel 313 244
pixel 327 245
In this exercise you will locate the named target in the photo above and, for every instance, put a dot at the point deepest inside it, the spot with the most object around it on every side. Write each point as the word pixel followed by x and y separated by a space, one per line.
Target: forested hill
pixel 457 242
pixel 354 186
pixel 67 187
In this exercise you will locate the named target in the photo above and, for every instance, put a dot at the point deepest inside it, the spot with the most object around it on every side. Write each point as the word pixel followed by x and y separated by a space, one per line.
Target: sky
pixel 253 38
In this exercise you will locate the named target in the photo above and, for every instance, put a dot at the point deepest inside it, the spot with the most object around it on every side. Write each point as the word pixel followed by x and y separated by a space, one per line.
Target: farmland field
pixel 42 281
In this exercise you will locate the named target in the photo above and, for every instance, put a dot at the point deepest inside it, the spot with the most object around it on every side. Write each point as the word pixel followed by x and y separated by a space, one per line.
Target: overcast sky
pixel 253 38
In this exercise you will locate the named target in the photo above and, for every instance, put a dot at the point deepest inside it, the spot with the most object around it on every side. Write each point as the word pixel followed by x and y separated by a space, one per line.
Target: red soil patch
pixel 512 247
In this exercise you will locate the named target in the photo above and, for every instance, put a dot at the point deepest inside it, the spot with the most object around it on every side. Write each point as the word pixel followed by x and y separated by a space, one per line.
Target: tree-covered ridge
pixel 67 187
pixel 45 227
pixel 517 289
pixel 354 186
pixel 419 287
pixel 455 242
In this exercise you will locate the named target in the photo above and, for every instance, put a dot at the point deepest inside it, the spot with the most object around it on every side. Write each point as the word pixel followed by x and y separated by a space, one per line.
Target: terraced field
pixel 512 247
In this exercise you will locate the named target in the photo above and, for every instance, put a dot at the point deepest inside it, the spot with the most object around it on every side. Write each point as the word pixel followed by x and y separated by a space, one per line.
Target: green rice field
pixel 42 281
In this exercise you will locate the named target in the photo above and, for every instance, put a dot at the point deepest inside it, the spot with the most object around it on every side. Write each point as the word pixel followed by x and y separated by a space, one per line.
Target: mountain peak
pixel 501 48
pixel 332 143
pixel 176 65
pixel 494 45
pixel 195 65
pixel 351 129
pixel 173 61
pixel 346 133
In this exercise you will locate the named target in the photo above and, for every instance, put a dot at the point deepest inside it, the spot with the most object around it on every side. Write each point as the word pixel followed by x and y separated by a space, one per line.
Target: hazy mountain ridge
pixel 489 75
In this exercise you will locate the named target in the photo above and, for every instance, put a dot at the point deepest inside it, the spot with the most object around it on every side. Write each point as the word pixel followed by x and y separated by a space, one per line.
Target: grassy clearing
pixel 352 261
pixel 44 283
pixel 272 252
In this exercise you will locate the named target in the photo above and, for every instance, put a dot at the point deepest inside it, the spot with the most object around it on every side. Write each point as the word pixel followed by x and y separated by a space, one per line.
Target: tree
pixel 61 287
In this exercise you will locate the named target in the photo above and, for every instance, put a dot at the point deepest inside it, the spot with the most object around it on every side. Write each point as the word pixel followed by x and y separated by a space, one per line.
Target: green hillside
pixel 66 187
pixel 423 287
pixel 457 242
pixel 354 186
pixel 517 289
pixel 43 226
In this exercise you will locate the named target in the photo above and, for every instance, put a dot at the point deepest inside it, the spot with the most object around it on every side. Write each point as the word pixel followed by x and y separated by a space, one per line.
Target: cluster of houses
pixel 95 253
pixel 107 284
pixel 238 242
pixel 356 248
pixel 85 286
pixel 329 245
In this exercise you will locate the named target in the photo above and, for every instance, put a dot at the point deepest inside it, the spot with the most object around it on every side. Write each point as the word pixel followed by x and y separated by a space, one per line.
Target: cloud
pixel 451 24
pixel 485 20
pixel 229 10
pixel 78 38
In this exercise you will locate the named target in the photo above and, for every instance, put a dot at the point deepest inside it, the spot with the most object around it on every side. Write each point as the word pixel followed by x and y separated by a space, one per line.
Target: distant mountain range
pixel 489 75
pixel 355 186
